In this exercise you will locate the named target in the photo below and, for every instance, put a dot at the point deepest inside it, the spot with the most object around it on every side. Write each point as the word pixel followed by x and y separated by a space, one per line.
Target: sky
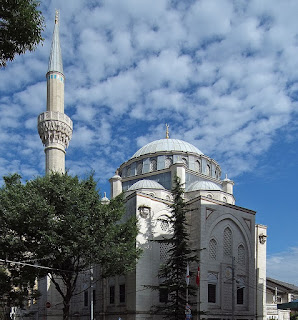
pixel 222 73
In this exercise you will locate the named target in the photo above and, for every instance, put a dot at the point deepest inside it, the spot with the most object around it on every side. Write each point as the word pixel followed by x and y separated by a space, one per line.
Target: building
pixel 225 235
pixel 279 292
pixel 230 246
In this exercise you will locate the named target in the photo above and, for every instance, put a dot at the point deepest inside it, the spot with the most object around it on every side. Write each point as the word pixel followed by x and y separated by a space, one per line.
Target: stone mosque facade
pixel 230 246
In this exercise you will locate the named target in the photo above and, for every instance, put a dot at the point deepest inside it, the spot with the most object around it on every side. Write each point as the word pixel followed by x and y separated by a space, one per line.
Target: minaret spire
pixel 55 61
pixel 54 126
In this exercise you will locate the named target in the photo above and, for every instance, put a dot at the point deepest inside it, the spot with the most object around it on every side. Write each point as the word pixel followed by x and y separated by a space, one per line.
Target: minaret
pixel 54 126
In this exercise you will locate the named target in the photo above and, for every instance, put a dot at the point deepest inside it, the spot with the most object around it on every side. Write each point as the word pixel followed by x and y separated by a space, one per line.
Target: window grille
pixel 153 165
pixel 227 240
pixel 241 255
pixel 212 249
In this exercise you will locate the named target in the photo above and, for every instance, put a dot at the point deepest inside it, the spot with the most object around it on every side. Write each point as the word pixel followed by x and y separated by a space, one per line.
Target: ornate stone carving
pixel 54 127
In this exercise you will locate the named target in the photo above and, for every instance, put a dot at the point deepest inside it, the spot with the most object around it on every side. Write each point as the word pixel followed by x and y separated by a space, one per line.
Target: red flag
pixel 198 276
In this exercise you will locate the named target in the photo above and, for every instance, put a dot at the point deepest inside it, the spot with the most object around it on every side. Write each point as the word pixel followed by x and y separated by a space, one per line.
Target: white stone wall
pixel 209 219
pixel 260 252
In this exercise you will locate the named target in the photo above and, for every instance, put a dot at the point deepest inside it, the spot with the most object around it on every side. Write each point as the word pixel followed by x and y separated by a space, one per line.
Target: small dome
pixel 167 145
pixel 203 185
pixel 146 184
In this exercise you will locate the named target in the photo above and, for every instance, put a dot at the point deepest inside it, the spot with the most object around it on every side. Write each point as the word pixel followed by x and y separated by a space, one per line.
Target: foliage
pixel 173 272
pixel 21 25
pixel 16 287
pixel 59 221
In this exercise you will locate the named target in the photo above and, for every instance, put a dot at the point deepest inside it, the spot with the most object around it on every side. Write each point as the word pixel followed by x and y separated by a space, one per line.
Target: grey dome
pixel 203 185
pixel 167 145
pixel 146 184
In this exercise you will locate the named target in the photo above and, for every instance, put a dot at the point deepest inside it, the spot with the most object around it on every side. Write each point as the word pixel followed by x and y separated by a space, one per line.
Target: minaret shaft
pixel 55 92
pixel 54 126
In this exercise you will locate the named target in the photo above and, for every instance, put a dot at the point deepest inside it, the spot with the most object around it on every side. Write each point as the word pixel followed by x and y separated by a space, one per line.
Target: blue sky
pixel 222 73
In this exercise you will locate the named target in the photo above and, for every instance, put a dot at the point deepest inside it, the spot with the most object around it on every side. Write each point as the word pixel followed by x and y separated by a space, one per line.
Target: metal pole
pixel 233 287
pixel 91 295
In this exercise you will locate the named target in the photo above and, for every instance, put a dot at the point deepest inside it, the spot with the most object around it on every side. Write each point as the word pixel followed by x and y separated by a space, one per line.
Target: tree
pixel 16 287
pixel 60 221
pixel 21 25
pixel 173 273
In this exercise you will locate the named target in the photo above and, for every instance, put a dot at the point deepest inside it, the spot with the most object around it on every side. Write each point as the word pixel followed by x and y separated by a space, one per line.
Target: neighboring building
pixel 230 246
pixel 279 292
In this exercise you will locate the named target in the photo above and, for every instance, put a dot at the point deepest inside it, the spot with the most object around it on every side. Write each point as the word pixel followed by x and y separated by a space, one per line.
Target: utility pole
pixel 233 288
pixel 91 295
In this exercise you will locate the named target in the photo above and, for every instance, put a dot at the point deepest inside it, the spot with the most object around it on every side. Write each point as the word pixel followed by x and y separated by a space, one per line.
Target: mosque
pixel 231 247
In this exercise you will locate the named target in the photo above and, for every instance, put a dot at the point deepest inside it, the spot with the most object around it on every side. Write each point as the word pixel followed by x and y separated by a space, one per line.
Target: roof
pixel 55 61
pixel 146 184
pixel 203 185
pixel 167 145
pixel 289 287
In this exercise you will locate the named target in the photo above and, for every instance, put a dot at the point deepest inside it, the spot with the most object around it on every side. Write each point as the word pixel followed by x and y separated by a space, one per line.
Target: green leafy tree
pixel 60 221
pixel 21 25
pixel 16 287
pixel 173 272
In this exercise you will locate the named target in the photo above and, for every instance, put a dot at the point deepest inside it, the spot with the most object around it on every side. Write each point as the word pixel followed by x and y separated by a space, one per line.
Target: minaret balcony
pixel 54 127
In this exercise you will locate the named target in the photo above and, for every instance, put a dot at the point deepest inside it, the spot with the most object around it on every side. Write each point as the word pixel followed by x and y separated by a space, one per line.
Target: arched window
pixel 139 168
pixel 227 242
pixel 197 166
pixel 168 162
pixel 124 173
pixel 241 254
pixel 128 173
pixel 163 252
pixel 184 160
pixel 208 170
pixel 212 249
pixel 217 173
pixel 153 165
pixel 212 287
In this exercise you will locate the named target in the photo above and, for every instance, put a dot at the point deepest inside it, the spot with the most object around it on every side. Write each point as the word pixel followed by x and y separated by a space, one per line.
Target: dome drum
pixel 155 162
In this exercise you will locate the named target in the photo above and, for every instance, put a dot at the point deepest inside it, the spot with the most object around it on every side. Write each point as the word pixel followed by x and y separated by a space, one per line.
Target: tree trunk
pixel 66 303
pixel 66 309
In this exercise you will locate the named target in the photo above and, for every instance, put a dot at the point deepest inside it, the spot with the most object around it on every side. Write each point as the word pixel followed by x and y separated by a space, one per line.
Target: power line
pixel 32 265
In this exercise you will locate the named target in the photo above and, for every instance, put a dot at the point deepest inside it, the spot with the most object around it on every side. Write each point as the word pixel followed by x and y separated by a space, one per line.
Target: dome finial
pixel 57 17
pixel 167 131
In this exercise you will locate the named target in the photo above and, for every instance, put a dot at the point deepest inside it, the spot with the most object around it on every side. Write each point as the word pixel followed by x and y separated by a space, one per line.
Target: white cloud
pixel 222 73
pixel 283 266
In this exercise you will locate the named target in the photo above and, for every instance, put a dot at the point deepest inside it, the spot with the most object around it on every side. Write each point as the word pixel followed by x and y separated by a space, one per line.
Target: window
pixel 164 225
pixel 128 172
pixel 153 165
pixel 163 295
pixel 241 255
pixel 168 162
pixel 112 294
pixel 227 242
pixel 212 249
pixel 208 170
pixel 197 166
pixel 212 287
pixel 163 251
pixel 211 293
pixel 184 161
pixel 122 293
pixel 240 290
pixel 240 295
pixel 86 298
pixel 139 168
pixel 124 173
